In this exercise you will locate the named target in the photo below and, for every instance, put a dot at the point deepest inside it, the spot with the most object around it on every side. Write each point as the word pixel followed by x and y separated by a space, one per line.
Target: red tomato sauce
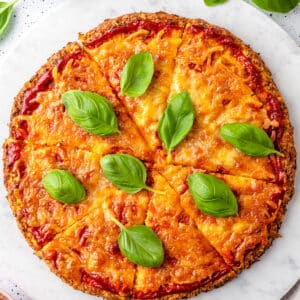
pixel 96 281
pixel 180 288
pixel 256 83
pixel 153 27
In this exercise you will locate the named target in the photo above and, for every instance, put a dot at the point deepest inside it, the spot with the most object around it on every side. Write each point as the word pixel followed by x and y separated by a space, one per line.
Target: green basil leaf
pixel 91 112
pixel 137 74
pixel 214 2
pixel 212 195
pixel 249 139
pixel 6 9
pixel 63 186
pixel 177 121
pixel 140 245
pixel 282 6
pixel 125 172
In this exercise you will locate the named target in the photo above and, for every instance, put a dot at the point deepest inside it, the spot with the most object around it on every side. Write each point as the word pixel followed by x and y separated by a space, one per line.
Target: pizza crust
pixel 51 63
pixel 285 145
pixel 108 24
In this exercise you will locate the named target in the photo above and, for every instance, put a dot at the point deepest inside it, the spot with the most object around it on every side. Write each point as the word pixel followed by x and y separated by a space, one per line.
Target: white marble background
pixel 280 266
pixel 28 12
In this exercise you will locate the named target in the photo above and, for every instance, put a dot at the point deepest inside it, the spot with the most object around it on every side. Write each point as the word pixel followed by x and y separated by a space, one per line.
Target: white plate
pixel 280 266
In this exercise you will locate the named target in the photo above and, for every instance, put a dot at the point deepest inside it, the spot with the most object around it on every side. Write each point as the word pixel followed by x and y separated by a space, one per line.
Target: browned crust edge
pixel 11 199
pixel 216 284
pixel 108 295
pixel 81 287
pixel 286 144
pixel 108 24
pixel 71 47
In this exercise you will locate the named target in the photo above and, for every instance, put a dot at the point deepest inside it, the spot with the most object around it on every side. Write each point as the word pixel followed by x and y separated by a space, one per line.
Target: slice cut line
pixel 160 35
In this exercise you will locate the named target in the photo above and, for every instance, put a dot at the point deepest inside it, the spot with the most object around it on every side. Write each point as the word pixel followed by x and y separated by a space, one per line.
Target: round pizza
pixel 152 160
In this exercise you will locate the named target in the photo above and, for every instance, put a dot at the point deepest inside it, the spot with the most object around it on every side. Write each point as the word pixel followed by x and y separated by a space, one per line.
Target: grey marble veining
pixel 290 22
pixel 279 267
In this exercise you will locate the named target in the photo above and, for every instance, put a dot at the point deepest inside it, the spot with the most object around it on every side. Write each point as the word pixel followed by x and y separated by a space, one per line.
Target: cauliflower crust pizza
pixel 224 82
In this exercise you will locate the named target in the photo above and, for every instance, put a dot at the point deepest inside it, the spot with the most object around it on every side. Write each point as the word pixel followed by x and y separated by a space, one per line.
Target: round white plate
pixel 279 267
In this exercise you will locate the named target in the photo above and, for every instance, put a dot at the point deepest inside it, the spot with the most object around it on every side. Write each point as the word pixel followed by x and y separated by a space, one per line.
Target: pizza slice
pixel 49 123
pixel 39 215
pixel 191 264
pixel 247 65
pixel 87 256
pixel 113 42
pixel 223 90
pixel 242 239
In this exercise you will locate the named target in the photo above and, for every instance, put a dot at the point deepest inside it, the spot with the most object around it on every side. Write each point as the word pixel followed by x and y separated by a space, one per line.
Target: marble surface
pixel 28 12
pixel 279 267
pixel 290 22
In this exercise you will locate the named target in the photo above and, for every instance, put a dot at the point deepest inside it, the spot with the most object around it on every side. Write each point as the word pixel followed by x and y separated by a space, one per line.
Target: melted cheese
pixel 50 124
pixel 232 237
pixel 87 255
pixel 34 207
pixel 189 258
pixel 220 95
pixel 147 109
pixel 79 242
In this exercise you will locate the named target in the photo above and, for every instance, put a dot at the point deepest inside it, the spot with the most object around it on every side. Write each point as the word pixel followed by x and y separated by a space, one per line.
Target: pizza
pixel 227 83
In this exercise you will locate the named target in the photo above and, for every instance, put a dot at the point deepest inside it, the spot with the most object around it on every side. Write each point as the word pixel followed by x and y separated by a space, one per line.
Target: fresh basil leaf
pixel 63 186
pixel 6 9
pixel 137 74
pixel 214 2
pixel 91 112
pixel 249 139
pixel 282 6
pixel 126 172
pixel 212 195
pixel 177 121
pixel 140 245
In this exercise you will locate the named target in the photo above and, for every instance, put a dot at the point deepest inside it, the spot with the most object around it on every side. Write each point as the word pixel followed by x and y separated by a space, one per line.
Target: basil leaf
pixel 214 2
pixel 6 9
pixel 140 245
pixel 125 172
pixel 137 74
pixel 212 195
pixel 249 139
pixel 177 121
pixel 63 186
pixel 282 6
pixel 91 112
